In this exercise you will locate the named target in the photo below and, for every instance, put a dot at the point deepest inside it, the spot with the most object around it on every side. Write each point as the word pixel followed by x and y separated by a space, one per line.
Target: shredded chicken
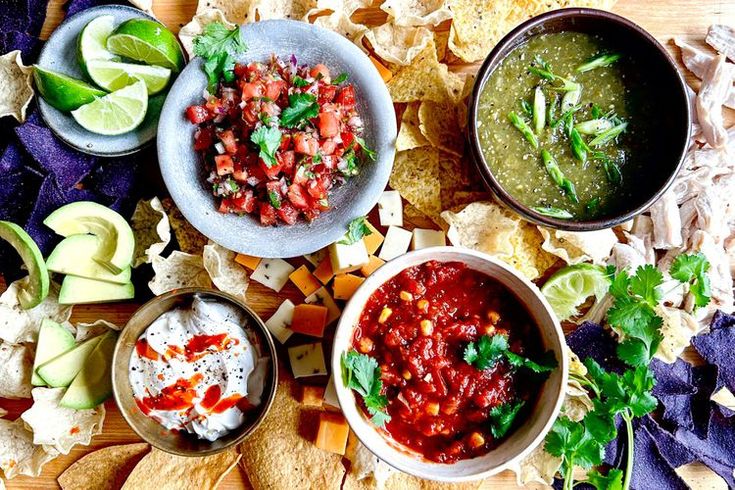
pixel 716 84
pixel 697 61
pixel 722 39
pixel 666 222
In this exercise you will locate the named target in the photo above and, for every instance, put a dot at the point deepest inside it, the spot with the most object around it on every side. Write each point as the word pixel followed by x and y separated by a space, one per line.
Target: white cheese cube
pixel 425 238
pixel 272 273
pixel 307 360
pixel 316 258
pixel 330 393
pixel 348 258
pixel 396 243
pixel 279 324
pixel 322 297
pixel 390 209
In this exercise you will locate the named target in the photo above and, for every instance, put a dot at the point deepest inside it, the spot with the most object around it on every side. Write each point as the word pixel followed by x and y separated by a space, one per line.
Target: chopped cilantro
pixel 340 78
pixel 299 82
pixel 357 229
pixel 218 46
pixel 692 270
pixel 301 107
pixel 275 199
pixel 612 481
pixel 350 163
pixel 362 374
pixel 488 350
pixel 502 417
pixel 268 140
pixel 363 146
pixel 573 442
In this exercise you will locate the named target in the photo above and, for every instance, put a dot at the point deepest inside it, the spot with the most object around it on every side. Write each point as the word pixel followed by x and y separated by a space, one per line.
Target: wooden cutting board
pixel 662 18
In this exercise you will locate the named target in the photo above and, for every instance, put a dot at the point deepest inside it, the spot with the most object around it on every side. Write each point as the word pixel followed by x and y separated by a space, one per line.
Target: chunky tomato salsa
pixel 453 349
pixel 278 138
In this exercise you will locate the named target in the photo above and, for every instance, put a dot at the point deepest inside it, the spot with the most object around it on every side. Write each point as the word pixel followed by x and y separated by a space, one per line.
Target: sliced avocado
pixel 53 340
pixel 93 384
pixel 61 370
pixel 77 290
pixel 73 256
pixel 117 243
pixel 36 288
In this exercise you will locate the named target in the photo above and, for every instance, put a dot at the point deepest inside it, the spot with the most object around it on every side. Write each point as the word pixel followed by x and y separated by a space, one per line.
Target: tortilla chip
pixel 409 135
pixel 144 5
pixel 237 11
pixel 60 427
pixel 539 466
pixel 416 177
pixel 196 26
pixel 284 9
pixel 104 469
pixel 364 464
pixel 417 12
pixel 340 22
pixel 440 124
pixel 18 325
pixel 477 26
pixel 178 270
pixel 16 91
pixel 188 237
pixel 281 454
pixel 88 330
pixel 164 471
pixel 225 273
pixel 151 229
pixel 490 228
pixel 463 198
pixel 425 79
pixel 575 247
pixel 402 481
pixel 440 40
pixel 16 367
pixel 398 44
pixel 18 454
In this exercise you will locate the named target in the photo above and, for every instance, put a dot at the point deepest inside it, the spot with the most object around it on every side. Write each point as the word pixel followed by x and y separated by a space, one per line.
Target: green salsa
pixel 560 123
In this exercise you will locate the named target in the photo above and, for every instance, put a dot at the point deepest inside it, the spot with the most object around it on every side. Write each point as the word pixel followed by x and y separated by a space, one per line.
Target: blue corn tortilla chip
pixel 721 320
pixel 115 177
pixel 717 347
pixel 23 16
pixel 592 340
pixel 674 452
pixel 672 379
pixel 28 45
pixel 650 468
pixel 717 450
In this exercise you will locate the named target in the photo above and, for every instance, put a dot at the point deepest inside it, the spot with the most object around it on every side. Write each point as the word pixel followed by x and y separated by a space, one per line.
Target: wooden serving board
pixel 662 18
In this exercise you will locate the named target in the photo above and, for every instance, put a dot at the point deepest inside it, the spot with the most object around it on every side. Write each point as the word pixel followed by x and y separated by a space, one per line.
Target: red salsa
pixel 278 138
pixel 418 326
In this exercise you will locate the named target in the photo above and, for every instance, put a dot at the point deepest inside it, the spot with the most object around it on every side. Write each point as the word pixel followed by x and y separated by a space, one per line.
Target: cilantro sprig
pixel 361 373
pixel 356 230
pixel 268 139
pixel 301 108
pixel 692 270
pixel 490 349
pixel 502 416
pixel 218 46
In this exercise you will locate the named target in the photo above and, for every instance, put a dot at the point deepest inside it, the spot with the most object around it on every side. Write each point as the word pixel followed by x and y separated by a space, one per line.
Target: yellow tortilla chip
pixel 16 89
pixel 425 79
pixel 284 9
pixel 104 469
pixel 16 367
pixel 453 177
pixel 144 5
pixel 398 44
pixel 196 26
pixel 225 273
pixel 340 22
pixel 178 270
pixel 477 26
pixel 18 454
pixel 416 177
pixel 235 11
pixel 164 471
pixel 539 466
pixel 417 12
pixel 18 325
pixel 151 229
pixel 440 40
pixel 188 237
pixel 409 135
pixel 441 123
pixel 575 247
pixel 281 454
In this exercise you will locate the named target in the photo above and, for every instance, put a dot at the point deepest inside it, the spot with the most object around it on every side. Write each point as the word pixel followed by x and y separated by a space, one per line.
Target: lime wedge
pixel 570 287
pixel 147 41
pixel 115 113
pixel 92 41
pixel 62 91
pixel 112 75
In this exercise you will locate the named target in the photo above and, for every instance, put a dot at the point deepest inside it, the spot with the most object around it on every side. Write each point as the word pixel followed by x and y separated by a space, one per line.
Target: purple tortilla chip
pixel 717 450
pixel 115 177
pixel 22 15
pixel 615 449
pixel 28 45
pixel 721 320
pixel 674 452
pixel 717 347
pixel 592 340
pixel 76 6
pixel 672 379
pixel 650 468
pixel 18 185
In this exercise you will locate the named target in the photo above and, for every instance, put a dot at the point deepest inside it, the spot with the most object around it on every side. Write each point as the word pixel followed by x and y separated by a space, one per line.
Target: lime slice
pixel 92 41
pixel 115 113
pixel 147 41
pixel 112 75
pixel 570 287
pixel 62 91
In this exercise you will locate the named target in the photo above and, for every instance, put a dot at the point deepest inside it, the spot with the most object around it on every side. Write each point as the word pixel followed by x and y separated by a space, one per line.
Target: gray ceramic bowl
pixel 60 54
pixel 185 176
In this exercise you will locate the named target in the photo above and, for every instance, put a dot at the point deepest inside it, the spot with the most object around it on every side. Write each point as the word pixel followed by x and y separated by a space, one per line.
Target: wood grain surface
pixel 662 18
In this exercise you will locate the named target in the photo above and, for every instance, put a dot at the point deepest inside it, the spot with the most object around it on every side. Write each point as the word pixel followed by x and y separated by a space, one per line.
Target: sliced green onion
pixel 551 109
pixel 552 168
pixel 539 110
pixel 612 170
pixel 571 99
pixel 543 70
pixel 593 205
pixel 579 147
pixel 599 61
pixel 553 212
pixel 527 108
pixel 523 127
pixel 609 135
pixel 593 126
pixel 568 115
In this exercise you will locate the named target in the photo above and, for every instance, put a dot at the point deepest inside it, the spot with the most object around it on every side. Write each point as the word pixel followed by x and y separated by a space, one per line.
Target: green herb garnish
pixel 542 69
pixel 301 107
pixel 522 126
pixel 593 126
pixel 579 147
pixel 539 110
pixel 364 148
pixel 218 46
pixel 526 107
pixel 299 82
pixel 268 139
pixel 553 212
pixel 357 229
pixel 692 270
pixel 552 168
pixel 599 61
pixel 609 135
pixel 488 350
pixel 362 374
pixel 275 199
pixel 502 417
pixel 340 78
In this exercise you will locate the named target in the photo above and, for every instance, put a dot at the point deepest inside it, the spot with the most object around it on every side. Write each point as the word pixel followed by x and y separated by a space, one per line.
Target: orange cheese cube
pixel 385 73
pixel 312 396
pixel 373 240
pixel 304 280
pixel 324 271
pixel 333 432
pixel 247 261
pixel 309 319
pixel 371 266
pixel 345 285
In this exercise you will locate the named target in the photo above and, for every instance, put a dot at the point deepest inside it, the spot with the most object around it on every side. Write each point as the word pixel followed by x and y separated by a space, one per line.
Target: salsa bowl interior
pixel 669 122
pixel 184 444
pixel 523 438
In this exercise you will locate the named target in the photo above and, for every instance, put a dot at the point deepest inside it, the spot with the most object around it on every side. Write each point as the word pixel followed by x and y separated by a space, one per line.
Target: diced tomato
pixel 274 88
pixel 329 162
pixel 244 204
pixel 286 142
pixel 270 172
pixel 197 114
pixel 328 124
pixel 305 143
pixel 311 214
pixel 224 164
pixel 239 172
pixel 320 69
pixel 347 139
pixel 227 137
pixel 267 214
pixel 251 112
pixel 225 205
pixel 287 160
pixel 346 96
pixel 315 189
pixel 213 105
pixel 300 176
pixel 240 70
pixel 287 213
pixel 326 93
pixel 203 138
pixel 298 197
pixel 251 90
pixel 328 147
pixel 270 108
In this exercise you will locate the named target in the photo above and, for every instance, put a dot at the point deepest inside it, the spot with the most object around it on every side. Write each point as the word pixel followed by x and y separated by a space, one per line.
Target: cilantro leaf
pixel 363 146
pixel 574 443
pixel 633 352
pixel 350 163
pixel 612 481
pixel 362 374
pixel 501 417
pixel 548 363
pixel 301 107
pixel 645 284
pixel 340 78
pixel 299 82
pixel 268 140
pixel 274 199
pixel 489 350
pixel 692 270
pixel 218 46
pixel 357 229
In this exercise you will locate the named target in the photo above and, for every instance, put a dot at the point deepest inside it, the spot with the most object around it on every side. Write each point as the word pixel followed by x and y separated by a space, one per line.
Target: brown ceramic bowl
pixel 672 112
pixel 152 432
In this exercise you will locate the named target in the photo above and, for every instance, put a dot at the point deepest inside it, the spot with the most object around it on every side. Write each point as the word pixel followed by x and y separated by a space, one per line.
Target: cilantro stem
pixel 568 474
pixel 628 418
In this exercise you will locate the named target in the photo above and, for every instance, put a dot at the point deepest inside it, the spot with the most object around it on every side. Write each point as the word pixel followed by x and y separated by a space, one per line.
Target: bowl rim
pixel 120 368
pixel 355 419
pixel 494 58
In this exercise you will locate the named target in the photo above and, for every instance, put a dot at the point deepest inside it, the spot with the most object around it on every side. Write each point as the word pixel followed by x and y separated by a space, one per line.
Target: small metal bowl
pixel 672 136
pixel 183 444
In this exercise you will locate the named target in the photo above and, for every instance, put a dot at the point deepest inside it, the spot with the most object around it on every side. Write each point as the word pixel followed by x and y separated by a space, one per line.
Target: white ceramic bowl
pixel 523 439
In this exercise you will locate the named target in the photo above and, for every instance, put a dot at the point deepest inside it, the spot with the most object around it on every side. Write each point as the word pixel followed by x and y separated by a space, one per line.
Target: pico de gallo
pixel 278 138
pixel 449 346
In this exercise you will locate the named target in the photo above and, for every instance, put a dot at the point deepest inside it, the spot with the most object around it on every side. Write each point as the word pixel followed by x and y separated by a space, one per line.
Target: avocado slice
pixel 117 243
pixel 62 369
pixel 37 286
pixel 77 290
pixel 73 256
pixel 93 384
pixel 53 340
